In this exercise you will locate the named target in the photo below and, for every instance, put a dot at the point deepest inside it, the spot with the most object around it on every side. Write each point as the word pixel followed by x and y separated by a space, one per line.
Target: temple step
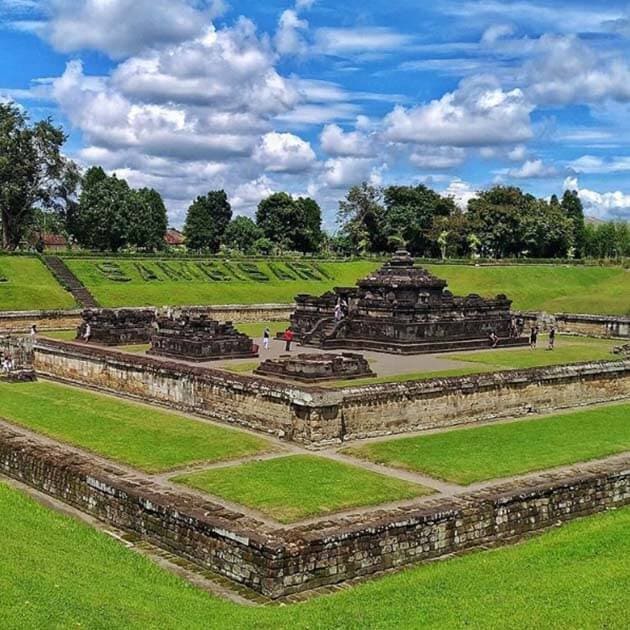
pixel 70 282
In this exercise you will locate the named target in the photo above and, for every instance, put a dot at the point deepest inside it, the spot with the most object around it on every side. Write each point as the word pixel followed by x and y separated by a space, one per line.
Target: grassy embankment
pixel 143 437
pixel 26 284
pixel 493 451
pixel 59 573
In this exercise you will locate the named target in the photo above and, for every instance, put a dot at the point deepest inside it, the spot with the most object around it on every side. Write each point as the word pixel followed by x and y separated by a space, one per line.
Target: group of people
pixel 533 337
pixel 287 337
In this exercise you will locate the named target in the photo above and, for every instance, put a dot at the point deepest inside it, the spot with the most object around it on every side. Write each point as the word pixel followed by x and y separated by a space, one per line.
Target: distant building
pixel 50 242
pixel 174 238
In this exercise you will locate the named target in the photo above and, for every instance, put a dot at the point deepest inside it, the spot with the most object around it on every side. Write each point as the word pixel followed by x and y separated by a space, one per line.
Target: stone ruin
pixel 117 327
pixel 623 351
pixel 199 338
pixel 403 309
pixel 309 368
pixel 16 359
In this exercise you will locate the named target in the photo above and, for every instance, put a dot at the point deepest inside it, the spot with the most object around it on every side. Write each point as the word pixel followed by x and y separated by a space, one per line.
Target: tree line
pixel 43 191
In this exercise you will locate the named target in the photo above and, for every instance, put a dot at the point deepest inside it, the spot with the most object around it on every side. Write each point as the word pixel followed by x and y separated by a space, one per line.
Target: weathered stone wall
pixel 372 410
pixel 280 561
pixel 280 409
pixel 21 321
pixel 593 325
pixel 316 416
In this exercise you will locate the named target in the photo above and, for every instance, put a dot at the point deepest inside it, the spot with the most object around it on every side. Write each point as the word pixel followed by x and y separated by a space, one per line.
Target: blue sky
pixel 313 96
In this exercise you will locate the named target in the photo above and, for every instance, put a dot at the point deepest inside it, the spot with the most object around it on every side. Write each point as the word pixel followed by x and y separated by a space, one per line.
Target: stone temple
pixel 402 309
pixel 199 338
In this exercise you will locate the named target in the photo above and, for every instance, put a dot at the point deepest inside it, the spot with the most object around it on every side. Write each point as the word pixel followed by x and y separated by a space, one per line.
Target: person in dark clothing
pixel 552 338
pixel 288 338
pixel 533 337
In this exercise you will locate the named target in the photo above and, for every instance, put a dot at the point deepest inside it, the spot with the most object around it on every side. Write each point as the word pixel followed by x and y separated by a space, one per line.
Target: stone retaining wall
pixel 316 416
pixel 280 561
pixel 593 325
pixel 21 321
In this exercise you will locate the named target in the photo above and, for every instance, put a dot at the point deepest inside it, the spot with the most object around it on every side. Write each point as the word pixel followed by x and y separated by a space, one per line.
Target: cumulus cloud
pixel 461 192
pixel 478 113
pixel 123 27
pixel 615 204
pixel 437 158
pixel 531 169
pixel 284 153
pixel 337 142
pixel 595 164
pixel 344 172
pixel 289 38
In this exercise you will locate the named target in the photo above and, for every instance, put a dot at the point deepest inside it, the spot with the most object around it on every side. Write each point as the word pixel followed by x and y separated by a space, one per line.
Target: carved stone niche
pixel 312 368
pixel 198 338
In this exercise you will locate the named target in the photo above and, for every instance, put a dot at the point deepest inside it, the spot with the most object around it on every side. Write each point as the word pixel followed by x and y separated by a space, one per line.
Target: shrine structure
pixel 403 309
pixel 117 327
pixel 199 338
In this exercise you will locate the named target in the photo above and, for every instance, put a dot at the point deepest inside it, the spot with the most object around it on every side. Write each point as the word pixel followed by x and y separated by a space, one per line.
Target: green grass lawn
pixel 56 572
pixel 29 286
pixel 298 486
pixel 147 438
pixel 551 288
pixel 469 455
pixel 201 290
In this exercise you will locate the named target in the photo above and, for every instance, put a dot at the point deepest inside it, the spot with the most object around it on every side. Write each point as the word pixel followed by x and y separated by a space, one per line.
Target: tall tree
pixel 361 218
pixel 106 206
pixel 573 208
pixel 409 215
pixel 242 233
pixel 206 221
pixel 33 172
pixel 148 221
pixel 309 236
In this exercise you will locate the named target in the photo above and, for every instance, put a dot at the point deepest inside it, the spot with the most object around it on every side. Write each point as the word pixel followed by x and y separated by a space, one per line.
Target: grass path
pixel 300 486
pixel 146 438
pixel 469 455
pixel 59 573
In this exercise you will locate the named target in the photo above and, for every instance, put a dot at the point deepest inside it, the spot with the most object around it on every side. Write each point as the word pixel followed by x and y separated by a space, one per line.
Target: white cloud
pixel 614 204
pixel 461 191
pixel 594 164
pixel 518 153
pixel 289 37
pixel 342 41
pixel 336 142
pixel 284 153
pixel 478 113
pixel 122 27
pixel 495 32
pixel 344 172
pixel 531 169
pixel 430 157
pixel 247 195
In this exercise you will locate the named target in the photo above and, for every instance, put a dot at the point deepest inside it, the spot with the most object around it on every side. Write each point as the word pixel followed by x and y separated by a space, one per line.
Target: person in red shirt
pixel 288 338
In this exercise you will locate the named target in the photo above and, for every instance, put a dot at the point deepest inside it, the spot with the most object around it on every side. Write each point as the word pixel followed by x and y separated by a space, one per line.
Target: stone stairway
pixel 69 281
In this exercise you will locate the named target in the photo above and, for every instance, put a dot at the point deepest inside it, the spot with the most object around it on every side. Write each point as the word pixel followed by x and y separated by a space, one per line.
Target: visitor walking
pixel 288 338
pixel 266 337
pixel 552 338
pixel 33 331
pixel 87 332
pixel 533 337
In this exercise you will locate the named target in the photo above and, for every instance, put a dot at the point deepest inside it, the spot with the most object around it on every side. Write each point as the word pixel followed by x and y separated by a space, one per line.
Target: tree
pixel 361 218
pixel 206 221
pixel 106 206
pixel 547 231
pixel 33 172
pixel 410 212
pixel 276 217
pixel 242 233
pixel 148 220
pixel 308 237
pixel 572 206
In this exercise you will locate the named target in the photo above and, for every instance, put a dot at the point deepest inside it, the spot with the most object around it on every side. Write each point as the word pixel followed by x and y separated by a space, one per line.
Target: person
pixel 266 337
pixel 87 332
pixel 552 337
pixel 533 337
pixel 494 340
pixel 338 312
pixel 288 338
pixel 33 331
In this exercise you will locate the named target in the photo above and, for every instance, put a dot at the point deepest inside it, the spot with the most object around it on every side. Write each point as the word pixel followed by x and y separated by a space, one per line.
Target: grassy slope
pixel 299 486
pixel 469 455
pixel 538 287
pixel 30 286
pixel 137 292
pixel 552 288
pixel 149 439
pixel 56 572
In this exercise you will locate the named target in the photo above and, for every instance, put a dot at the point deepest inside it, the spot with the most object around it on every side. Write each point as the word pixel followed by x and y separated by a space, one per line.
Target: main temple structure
pixel 403 309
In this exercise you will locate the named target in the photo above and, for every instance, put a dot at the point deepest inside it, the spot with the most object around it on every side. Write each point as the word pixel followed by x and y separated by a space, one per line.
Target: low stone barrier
pixel 21 321
pixel 280 561
pixel 594 325
pixel 317 416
